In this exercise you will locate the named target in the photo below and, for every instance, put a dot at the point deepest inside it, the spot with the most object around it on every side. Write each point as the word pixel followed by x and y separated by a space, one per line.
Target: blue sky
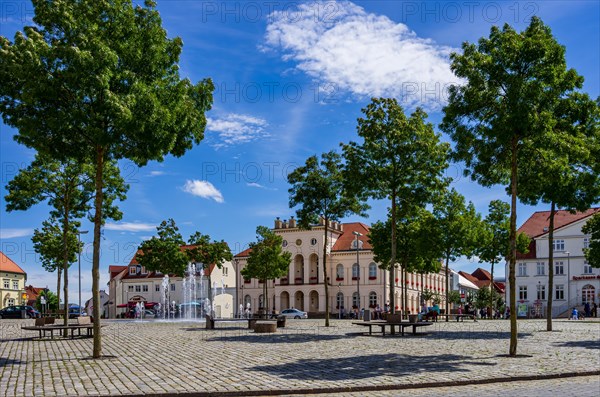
pixel 291 79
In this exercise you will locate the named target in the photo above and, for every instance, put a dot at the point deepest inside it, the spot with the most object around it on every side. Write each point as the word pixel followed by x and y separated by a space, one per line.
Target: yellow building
pixel 12 282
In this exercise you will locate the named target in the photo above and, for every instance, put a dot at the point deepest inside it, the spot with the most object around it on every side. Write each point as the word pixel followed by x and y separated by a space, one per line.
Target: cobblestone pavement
pixel 171 358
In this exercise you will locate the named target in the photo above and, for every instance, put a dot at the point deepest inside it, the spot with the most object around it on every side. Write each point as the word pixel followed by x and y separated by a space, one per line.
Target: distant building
pixel 482 279
pixel 12 286
pixel 104 299
pixel 575 281
pixel 134 283
pixel 349 277
pixel 32 294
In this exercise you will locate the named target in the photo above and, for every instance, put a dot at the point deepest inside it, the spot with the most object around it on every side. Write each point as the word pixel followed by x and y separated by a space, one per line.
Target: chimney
pixel 278 223
pixel 292 222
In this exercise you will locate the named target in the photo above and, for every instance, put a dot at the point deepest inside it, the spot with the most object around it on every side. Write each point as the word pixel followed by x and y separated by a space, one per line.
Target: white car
pixel 293 313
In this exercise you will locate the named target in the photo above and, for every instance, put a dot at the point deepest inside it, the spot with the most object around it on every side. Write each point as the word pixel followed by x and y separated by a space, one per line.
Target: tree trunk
pixel 58 278
pixel 492 286
pixel 65 233
pixel 447 284
pixel 513 249
pixel 393 258
pixel 209 292
pixel 325 275
pixel 98 200
pixel 550 267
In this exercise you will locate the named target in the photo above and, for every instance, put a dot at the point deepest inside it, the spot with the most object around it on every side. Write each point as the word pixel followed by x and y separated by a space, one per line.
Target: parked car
pixel 294 313
pixel 15 312
pixel 74 312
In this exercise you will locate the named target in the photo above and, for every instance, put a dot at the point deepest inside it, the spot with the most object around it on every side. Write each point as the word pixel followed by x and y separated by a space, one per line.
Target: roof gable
pixel 538 222
pixel 7 265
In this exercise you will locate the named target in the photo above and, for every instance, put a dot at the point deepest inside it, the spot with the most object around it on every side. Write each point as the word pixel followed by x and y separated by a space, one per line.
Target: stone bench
pixel 262 327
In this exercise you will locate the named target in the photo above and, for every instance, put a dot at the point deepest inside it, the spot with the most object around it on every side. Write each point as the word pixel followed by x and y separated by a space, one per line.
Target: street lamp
pixel 237 302
pixel 79 233
pixel 568 277
pixel 357 234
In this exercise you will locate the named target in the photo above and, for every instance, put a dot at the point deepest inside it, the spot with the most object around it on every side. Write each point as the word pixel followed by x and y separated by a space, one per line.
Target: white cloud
pixel 157 173
pixel 203 189
pixel 235 129
pixel 130 227
pixel 259 186
pixel 362 53
pixel 15 233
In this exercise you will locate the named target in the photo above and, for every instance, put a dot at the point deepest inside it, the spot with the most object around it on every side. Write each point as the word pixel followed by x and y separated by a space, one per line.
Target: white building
pixel 352 275
pixel 575 282
pixel 133 283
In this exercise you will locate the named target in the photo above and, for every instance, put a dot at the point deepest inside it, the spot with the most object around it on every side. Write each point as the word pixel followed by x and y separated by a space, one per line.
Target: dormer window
pixel 144 271
pixel 132 270
pixel 360 244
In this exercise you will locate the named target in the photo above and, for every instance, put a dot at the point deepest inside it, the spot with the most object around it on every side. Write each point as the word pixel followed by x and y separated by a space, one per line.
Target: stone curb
pixel 374 388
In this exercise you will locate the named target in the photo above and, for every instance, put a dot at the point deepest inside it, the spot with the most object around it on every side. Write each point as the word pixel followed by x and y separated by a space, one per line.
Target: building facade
pixel 354 279
pixel 133 283
pixel 575 282
pixel 12 283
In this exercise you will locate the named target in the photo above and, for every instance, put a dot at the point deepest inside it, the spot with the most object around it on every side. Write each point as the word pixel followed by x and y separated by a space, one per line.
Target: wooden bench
pixel 265 326
pixel 210 321
pixel 459 317
pixel 401 326
pixel 46 325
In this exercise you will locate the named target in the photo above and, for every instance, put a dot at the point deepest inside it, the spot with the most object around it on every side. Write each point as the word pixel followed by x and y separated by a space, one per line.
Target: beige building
pixel 133 283
pixel 12 285
pixel 353 277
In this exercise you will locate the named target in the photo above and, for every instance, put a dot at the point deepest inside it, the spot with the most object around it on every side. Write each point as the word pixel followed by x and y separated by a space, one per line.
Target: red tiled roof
pixel 244 253
pixel 469 277
pixel 482 274
pixel 344 241
pixel 7 265
pixel 32 294
pixel 534 226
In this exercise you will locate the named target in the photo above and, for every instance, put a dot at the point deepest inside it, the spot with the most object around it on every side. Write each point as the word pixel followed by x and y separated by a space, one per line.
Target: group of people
pixel 588 311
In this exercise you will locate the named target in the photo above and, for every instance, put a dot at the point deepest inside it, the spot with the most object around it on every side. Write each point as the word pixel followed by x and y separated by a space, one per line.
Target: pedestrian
pixel 574 314
pixel 594 309
pixel 587 310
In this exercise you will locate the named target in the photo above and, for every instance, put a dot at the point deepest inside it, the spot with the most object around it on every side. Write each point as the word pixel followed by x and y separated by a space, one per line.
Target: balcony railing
pixel 299 280
pixel 313 280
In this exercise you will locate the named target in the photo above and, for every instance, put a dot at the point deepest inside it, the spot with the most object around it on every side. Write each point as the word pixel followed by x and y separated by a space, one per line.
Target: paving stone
pixel 184 357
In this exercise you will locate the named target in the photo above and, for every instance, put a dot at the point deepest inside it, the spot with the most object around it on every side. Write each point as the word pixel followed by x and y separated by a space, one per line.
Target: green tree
pixel 561 170
pixel 67 186
pixel 163 253
pixel 592 253
pixel 318 188
pixel 453 297
pixel 48 242
pixel 51 301
pixel 513 84
pixel 400 159
pixel 209 254
pixel 414 252
pixel 267 260
pixel 97 81
pixel 457 227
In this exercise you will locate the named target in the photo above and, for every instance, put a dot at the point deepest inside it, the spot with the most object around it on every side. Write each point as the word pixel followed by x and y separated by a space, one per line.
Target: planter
pixel 413 318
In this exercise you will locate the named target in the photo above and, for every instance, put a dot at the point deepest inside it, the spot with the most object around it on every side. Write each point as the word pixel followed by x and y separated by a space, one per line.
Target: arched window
pixel 355 300
pixel 372 299
pixel 340 300
pixel 247 302
pixel 339 272
pixel 372 271
pixel 587 294
pixel 355 271
pixel 260 302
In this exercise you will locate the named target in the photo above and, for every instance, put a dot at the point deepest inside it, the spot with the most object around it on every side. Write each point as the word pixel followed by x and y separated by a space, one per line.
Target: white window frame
pixel 522 292
pixel 16 284
pixel 559 265
pixel 541 292
pixel 372 270
pixel 558 245
pixel 541 269
pixel 586 242
pixel 225 271
pixel 339 271
pixel 132 270
pixel 157 288
pixel 6 284
pixel 559 292
pixel 372 298
pixel 145 288
pixel 587 268
pixel 138 288
pixel 355 271
pixel 522 270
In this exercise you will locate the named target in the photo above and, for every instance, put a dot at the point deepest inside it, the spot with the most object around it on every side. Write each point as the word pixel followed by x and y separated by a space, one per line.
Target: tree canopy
pixel 401 159
pixel 318 189
pixel 163 253
pixel 99 81
pixel 513 84
pixel 592 253
pixel 267 260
